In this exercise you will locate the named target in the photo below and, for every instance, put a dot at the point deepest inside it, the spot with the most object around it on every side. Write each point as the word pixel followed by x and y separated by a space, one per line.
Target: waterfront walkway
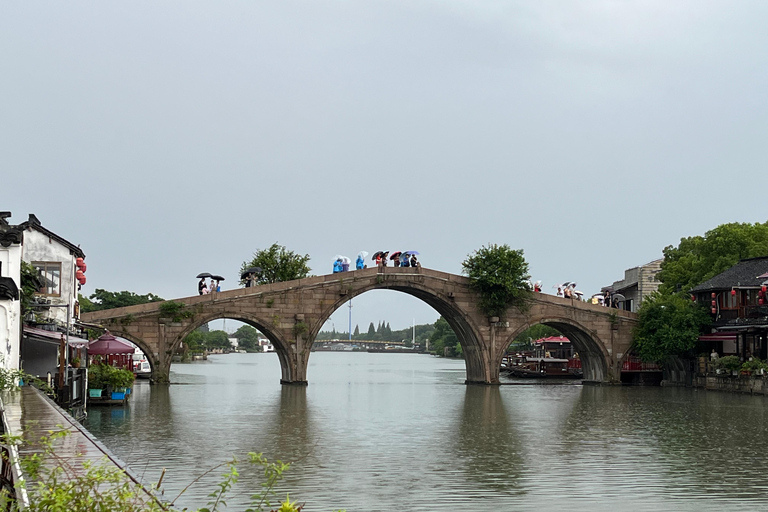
pixel 29 412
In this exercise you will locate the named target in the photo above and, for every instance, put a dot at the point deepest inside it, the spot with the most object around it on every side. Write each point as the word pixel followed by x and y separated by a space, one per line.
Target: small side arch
pixel 592 350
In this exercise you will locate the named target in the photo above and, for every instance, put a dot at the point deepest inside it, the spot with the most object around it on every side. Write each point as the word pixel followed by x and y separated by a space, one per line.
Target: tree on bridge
pixel 103 299
pixel 500 275
pixel 277 264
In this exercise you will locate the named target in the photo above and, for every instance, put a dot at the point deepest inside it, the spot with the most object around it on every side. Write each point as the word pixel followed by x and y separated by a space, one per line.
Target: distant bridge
pixel 291 314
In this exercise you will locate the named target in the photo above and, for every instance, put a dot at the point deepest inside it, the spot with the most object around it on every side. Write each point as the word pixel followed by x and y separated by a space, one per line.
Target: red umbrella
pixel 395 255
pixel 107 344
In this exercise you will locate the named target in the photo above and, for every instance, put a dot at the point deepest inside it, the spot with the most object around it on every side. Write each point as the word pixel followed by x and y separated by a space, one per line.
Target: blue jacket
pixel 359 263
pixel 337 266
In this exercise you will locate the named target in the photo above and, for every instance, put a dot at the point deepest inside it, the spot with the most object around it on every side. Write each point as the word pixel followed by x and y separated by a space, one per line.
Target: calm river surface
pixel 397 432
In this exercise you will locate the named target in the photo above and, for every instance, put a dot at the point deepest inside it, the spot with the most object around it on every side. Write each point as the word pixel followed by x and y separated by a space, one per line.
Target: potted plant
pixel 95 381
pixel 753 366
pixel 730 364
pixel 119 380
pixel 76 362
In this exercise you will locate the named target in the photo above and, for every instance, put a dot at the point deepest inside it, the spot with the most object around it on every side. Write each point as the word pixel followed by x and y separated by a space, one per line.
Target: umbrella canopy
pixel 250 270
pixel 217 278
pixel 618 297
pixel 107 344
pixel 395 255
pixel 362 254
pixel 377 254
pixel 411 252
pixel 346 260
pixel 203 275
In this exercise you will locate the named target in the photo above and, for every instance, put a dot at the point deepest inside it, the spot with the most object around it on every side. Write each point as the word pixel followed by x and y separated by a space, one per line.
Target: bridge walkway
pixel 30 413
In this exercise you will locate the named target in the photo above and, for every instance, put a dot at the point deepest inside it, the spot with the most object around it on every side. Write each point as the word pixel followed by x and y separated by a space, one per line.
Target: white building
pixel 10 288
pixel 32 342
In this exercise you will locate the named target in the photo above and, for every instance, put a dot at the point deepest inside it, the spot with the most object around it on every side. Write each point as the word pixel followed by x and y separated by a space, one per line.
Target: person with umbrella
pixel 360 263
pixel 404 260
pixel 202 283
pixel 337 265
pixel 414 261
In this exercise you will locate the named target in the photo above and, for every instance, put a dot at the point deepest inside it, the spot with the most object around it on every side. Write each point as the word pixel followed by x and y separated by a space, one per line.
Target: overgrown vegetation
pixel 103 299
pixel 30 283
pixel 176 311
pixel 500 275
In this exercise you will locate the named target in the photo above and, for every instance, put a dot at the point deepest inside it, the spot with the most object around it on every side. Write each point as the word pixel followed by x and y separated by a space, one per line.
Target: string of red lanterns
pixel 80 273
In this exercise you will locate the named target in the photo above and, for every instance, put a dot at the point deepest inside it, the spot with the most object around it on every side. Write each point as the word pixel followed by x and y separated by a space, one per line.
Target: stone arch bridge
pixel 291 314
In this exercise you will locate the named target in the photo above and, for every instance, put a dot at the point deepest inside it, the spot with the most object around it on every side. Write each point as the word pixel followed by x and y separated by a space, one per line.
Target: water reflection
pixel 488 443
pixel 379 432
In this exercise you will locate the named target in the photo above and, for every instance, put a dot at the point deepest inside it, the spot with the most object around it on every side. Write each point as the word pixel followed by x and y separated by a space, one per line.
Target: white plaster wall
pixel 10 310
pixel 38 247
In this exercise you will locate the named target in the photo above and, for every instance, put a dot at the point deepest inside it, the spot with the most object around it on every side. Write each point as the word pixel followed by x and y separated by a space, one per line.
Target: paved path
pixel 29 410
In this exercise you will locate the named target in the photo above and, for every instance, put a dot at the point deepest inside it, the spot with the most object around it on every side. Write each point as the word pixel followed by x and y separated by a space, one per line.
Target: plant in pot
pixel 76 362
pixel 753 367
pixel 119 380
pixel 729 364
pixel 95 380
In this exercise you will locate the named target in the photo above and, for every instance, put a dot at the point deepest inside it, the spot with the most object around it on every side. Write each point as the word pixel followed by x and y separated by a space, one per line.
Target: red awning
pixel 718 336
pixel 108 344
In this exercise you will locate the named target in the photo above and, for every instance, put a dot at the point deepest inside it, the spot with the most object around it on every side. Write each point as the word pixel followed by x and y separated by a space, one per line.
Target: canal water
pixel 397 432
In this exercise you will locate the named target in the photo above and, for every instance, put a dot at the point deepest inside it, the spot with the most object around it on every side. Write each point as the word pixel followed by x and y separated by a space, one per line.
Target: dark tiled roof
pixel 742 274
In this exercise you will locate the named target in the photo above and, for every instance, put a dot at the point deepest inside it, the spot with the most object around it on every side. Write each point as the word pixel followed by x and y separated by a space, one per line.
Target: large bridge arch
pixel 591 349
pixel 464 326
pixel 154 364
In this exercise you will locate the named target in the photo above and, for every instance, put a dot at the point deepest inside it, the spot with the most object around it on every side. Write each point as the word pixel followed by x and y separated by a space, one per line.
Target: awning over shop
pixel 54 336
pixel 107 344
pixel 718 336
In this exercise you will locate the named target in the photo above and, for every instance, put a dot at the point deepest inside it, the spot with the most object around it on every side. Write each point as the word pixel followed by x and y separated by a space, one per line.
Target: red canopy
pixel 108 344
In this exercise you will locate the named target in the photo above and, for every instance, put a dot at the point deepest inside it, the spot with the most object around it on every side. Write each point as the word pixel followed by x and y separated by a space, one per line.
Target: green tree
pixel 277 264
pixel 217 339
pixel 668 325
pixel 442 337
pixel 247 338
pixel 103 299
pixel 500 275
pixel 698 258
pixel 371 331
pixel 357 330
pixel 195 341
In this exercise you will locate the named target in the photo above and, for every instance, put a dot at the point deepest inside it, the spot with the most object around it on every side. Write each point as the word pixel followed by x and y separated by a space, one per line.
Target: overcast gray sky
pixel 171 138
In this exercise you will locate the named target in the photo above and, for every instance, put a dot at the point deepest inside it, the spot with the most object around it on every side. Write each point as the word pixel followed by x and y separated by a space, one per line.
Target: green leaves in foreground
pixel 500 275
pixel 57 483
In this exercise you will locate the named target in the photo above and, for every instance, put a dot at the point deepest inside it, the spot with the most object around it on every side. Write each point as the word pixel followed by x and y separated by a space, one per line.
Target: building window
pixel 50 275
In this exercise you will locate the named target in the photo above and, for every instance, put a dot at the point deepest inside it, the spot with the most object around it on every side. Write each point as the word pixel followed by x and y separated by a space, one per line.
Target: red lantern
pixel 714 304
pixel 79 261
pixel 693 298
pixel 761 293
pixel 79 275
pixel 764 288
pixel 714 311
pixel 760 301
pixel 714 295
pixel 82 267
pixel 733 292
pixel 81 280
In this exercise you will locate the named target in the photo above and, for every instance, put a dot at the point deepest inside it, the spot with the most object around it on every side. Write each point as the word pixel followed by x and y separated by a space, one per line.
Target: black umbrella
pixel 249 271
pixel 217 278
pixel 395 255
pixel 203 275
pixel 377 254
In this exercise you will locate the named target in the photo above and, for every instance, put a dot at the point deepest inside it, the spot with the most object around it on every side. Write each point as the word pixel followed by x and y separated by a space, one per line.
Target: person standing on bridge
pixel 414 261
pixel 200 286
